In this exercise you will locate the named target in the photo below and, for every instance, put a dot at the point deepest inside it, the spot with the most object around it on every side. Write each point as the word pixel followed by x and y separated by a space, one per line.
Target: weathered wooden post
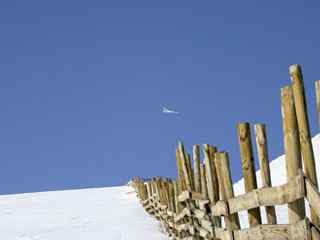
pixel 296 210
pixel 204 190
pixel 187 171
pixel 173 196
pixel 197 174
pixel 170 195
pixel 177 204
pixel 304 130
pixel 211 179
pixel 185 167
pixel 181 181
pixel 224 174
pixel 248 170
pixel 180 185
pixel 176 194
pixel 190 170
pixel 212 184
pixel 262 147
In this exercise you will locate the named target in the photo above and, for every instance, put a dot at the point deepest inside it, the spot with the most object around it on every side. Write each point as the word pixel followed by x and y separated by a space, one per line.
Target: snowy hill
pixel 91 214
pixel 100 213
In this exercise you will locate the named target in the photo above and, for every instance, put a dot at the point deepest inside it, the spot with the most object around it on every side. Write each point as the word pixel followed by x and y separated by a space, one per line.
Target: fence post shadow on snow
pixel 200 203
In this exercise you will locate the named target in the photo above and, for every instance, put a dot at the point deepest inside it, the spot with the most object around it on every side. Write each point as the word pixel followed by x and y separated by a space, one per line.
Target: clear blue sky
pixel 81 83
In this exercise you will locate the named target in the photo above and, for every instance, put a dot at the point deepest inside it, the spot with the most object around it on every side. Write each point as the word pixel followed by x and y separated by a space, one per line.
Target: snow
pixel 101 213
pixel 90 214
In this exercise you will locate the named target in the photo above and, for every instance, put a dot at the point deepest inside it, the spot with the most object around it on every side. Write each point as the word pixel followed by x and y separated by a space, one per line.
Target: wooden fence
pixel 200 203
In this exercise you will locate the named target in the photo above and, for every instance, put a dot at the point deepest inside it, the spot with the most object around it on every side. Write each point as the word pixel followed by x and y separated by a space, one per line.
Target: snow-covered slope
pixel 100 213
pixel 90 214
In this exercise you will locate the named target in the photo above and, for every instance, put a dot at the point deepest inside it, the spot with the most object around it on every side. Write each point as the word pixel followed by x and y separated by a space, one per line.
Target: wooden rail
pixel 200 202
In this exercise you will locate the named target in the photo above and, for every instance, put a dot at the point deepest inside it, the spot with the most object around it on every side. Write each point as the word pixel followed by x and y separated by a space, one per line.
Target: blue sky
pixel 81 84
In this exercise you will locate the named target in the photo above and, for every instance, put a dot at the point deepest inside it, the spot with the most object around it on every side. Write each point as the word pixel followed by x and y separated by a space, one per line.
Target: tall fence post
pixel 262 147
pixel 211 179
pixel 190 171
pixel 197 174
pixel 296 210
pixel 185 162
pixel 204 190
pixel 176 194
pixel 181 181
pixel 248 170
pixel 304 130
pixel 224 174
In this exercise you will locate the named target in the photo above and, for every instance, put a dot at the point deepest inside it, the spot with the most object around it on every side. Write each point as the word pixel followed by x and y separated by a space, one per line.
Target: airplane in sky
pixel 168 111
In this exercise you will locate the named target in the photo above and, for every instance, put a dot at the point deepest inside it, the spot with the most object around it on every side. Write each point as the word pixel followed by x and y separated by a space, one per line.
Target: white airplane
pixel 166 110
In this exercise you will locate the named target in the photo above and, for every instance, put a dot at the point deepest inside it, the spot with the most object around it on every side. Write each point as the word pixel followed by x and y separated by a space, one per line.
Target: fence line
pixel 200 202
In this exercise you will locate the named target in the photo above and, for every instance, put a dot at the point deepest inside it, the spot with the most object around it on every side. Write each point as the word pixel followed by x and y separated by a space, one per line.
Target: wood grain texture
pixel 224 175
pixel 185 167
pixel 296 210
pixel 248 170
pixel 315 233
pixel 278 195
pixel 304 129
pixel 180 180
pixel 196 168
pixel 262 148
pixel 298 231
pixel 190 170
pixel 204 190
pixel 211 175
pixel 313 196
pixel 211 179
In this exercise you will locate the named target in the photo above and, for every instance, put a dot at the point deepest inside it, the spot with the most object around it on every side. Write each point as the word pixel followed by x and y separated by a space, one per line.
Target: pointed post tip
pixel 294 68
